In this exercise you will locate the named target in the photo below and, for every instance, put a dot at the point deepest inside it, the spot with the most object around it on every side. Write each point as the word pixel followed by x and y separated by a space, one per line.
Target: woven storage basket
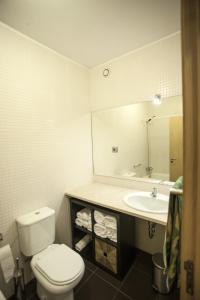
pixel 106 255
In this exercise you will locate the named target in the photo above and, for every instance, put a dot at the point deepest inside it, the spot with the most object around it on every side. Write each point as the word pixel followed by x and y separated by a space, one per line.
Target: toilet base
pixel 43 294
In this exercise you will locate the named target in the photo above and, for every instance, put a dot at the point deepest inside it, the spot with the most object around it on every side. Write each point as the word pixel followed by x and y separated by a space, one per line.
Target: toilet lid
pixel 59 264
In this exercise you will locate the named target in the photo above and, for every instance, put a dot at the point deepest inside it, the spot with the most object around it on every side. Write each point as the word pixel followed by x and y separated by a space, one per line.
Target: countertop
pixel 111 196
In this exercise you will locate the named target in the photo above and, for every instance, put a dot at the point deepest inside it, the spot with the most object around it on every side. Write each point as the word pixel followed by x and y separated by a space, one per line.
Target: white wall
pixel 45 141
pixel 138 76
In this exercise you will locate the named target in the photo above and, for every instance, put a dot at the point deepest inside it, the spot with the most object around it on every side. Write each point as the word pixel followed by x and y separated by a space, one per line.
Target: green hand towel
pixel 171 249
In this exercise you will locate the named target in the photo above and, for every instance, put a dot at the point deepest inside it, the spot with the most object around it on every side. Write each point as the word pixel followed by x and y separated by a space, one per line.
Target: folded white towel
pixel 111 234
pixel 83 243
pixel 89 227
pixel 84 214
pixel 99 217
pixel 79 222
pixel 83 223
pixel 100 230
pixel 114 240
pixel 105 232
pixel 110 222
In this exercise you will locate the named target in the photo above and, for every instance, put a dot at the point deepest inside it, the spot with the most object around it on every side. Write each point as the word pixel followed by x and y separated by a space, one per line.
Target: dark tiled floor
pixel 30 292
pixel 98 284
pixel 136 285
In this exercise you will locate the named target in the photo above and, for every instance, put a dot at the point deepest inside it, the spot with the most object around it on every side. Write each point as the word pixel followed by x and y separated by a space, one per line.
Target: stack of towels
pixel 83 219
pixel 105 226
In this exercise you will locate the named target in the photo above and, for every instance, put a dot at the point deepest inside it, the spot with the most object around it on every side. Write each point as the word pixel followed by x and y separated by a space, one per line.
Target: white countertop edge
pixel 129 211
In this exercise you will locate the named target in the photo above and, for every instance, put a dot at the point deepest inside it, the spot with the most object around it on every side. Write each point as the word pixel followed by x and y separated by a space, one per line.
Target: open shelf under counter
pixel 115 257
pixel 83 229
pixel 86 252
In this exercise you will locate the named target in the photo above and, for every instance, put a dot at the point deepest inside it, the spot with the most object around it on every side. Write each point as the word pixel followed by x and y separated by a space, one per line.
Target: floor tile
pixel 31 288
pixel 86 275
pixel 137 285
pixel 33 297
pixel 90 265
pixel 143 262
pixel 30 291
pixel 121 296
pixel 95 288
pixel 174 295
pixel 108 277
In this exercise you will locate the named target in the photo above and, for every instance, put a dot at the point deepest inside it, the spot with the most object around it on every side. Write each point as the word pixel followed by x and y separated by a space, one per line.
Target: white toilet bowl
pixel 58 269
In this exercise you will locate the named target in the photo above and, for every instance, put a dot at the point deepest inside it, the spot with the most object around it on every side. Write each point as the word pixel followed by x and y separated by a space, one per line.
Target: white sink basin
pixel 144 201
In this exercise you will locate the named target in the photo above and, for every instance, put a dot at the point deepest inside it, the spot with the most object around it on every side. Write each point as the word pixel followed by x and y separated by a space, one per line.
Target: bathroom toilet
pixel 57 268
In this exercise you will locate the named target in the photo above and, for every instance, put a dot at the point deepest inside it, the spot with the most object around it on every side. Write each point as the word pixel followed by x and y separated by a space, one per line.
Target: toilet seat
pixel 59 264
pixel 58 268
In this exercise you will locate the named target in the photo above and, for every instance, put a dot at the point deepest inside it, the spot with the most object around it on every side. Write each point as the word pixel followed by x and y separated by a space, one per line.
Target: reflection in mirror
pixel 139 140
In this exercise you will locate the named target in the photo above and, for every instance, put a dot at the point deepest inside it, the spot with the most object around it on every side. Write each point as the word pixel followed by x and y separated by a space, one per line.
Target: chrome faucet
pixel 154 192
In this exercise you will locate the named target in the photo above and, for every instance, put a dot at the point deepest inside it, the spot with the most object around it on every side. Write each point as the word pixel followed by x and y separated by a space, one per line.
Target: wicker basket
pixel 106 255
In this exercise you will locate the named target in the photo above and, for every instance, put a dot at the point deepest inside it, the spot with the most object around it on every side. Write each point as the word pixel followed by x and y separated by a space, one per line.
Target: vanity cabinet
pixel 114 257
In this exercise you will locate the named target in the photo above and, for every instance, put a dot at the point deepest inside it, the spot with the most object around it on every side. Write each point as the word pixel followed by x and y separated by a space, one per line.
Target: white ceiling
pixel 92 32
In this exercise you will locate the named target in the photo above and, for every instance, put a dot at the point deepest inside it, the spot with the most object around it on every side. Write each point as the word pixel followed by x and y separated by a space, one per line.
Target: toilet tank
pixel 36 230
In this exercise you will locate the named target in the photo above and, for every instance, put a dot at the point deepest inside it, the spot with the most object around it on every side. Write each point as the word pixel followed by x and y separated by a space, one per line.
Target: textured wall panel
pixel 45 143
pixel 138 76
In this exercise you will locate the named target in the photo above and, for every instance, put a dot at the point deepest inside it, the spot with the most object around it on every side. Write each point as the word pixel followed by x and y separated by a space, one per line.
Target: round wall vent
pixel 106 72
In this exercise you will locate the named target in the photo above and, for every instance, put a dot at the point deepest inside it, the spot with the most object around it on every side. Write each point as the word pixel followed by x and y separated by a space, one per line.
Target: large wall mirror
pixel 139 140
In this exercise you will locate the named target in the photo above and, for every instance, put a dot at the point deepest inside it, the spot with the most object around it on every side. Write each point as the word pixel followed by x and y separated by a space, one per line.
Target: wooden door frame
pixel 190 241
pixel 175 147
